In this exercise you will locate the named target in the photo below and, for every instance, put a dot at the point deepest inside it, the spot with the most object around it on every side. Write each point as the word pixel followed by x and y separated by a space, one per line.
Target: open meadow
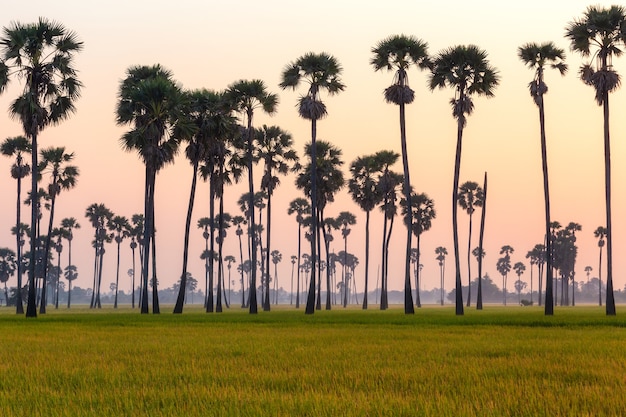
pixel 495 362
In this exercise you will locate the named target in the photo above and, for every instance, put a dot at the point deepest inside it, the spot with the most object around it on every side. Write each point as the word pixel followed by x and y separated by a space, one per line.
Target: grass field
pixel 495 362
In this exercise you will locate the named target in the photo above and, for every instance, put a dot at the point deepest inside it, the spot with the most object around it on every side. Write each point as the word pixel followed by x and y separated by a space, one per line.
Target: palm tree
pixel 247 96
pixel 154 106
pixel 345 218
pixel 321 72
pixel 17 147
pixel 536 57
pixel 294 259
pixel 441 253
pixel 329 179
pixel 238 221
pixel 275 149
pixel 480 251
pixel 99 216
pixel 364 191
pixel 398 53
pixel 136 236
pixel 470 196
pixel 8 265
pixel 572 228
pixel 69 224
pixel 301 207
pixel 422 214
pixel 537 257
pixel 467 71
pixel 504 267
pixel 519 269
pixel 59 234
pixel 62 177
pixel 42 54
pixel 120 226
pixel 600 34
pixel 600 233
pixel 277 257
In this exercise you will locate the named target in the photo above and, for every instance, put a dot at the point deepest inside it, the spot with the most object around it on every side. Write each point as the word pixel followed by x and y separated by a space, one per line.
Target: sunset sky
pixel 210 44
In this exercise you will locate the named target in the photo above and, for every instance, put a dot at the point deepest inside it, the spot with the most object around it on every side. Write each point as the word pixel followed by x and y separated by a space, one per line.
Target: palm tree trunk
pixel 69 261
pixel 19 306
pixel 320 227
pixel 549 302
pixel 46 254
pixel 178 308
pixel 367 257
pixel 117 274
pixel 455 192
pixel 383 295
pixel 253 298
pixel 209 295
pixel 479 296
pixel 156 309
pixel 610 298
pixel 266 302
pixel 600 279
pixel 220 263
pixel 408 296
pixel 469 269
pixel 31 307
pixel 310 302
pixel 132 282
pixel 298 273
pixel 147 236
pixel 418 301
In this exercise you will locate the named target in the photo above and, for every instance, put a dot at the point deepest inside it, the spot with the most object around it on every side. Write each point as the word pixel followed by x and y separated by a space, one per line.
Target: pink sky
pixel 212 44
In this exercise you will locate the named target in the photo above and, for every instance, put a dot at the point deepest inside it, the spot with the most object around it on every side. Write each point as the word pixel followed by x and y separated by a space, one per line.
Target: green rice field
pixel 497 362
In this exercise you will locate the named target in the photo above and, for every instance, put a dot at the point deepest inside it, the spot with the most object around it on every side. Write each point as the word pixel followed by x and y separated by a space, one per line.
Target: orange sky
pixel 212 44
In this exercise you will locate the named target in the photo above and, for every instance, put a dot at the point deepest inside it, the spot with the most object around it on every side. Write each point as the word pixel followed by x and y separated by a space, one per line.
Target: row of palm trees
pixel 160 115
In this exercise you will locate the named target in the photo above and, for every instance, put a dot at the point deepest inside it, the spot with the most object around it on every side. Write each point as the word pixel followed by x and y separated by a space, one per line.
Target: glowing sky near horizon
pixel 211 44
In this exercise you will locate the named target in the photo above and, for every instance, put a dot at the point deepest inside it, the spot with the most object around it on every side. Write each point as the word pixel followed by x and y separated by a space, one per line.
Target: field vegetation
pixel 495 362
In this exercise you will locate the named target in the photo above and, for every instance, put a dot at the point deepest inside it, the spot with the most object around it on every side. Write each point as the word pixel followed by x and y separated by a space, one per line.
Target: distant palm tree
pixel 519 269
pixel 601 30
pixel 467 70
pixel 69 224
pixel 99 215
pixel 470 196
pixel 537 257
pixel 320 72
pixel 365 192
pixel 17 147
pixel 275 149
pixel 441 253
pixel 120 226
pixel 42 54
pixel 479 253
pixel 8 265
pixel 301 207
pixel 247 96
pixel 504 267
pixel 136 236
pixel 294 259
pixel 536 56
pixel 398 53
pixel 346 219
pixel 277 257
pixel 55 161
pixel 238 221
pixel 154 106
pixel 600 234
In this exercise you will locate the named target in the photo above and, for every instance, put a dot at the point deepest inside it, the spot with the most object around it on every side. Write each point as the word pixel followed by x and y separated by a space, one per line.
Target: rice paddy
pixel 495 362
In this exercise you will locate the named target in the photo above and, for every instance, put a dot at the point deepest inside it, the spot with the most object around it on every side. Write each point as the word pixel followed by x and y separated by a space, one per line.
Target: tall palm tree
pixel 441 253
pixel 600 35
pixel 69 224
pixel 398 53
pixel 345 218
pixel 275 149
pixel 600 233
pixel 329 180
pixel 248 96
pixel 536 57
pixel 55 161
pixel 42 54
pixel 480 251
pixel 154 106
pixel 470 196
pixel 364 191
pixel 321 72
pixel 301 207
pixel 422 213
pixel 17 147
pixel 120 226
pixel 466 70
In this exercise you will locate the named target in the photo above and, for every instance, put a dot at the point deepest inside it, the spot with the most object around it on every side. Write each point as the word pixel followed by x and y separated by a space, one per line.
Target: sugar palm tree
pixel 600 35
pixel 99 216
pixel 441 253
pixel 275 149
pixel 69 224
pixel 364 191
pixel 321 72
pixel 8 266
pixel 470 196
pixel 398 53
pixel 345 218
pixel 42 54
pixel 600 233
pixel 504 267
pixel 480 252
pixel 136 239
pixel 536 57
pixel 238 221
pixel 63 176
pixel 120 226
pixel 537 256
pixel 466 70
pixel 248 96
pixel 154 107
pixel 277 257
pixel 422 213
pixel 301 207
pixel 519 269
pixel 16 147
pixel 294 259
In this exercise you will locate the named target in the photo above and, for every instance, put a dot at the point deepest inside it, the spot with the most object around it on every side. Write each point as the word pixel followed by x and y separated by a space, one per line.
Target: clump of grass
pixel 342 362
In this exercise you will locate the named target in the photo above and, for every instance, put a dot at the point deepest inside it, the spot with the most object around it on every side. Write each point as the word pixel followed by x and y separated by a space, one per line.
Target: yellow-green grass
pixel 495 362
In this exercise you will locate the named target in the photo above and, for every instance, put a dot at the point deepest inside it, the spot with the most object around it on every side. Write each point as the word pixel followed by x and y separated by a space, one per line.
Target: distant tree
pixel 600 234
pixel 470 196
pixel 120 226
pixel 98 215
pixel 8 266
pixel 537 257
pixel 345 218
pixel 519 269
pixel 504 267
pixel 441 253
pixel 301 207
pixel 467 70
